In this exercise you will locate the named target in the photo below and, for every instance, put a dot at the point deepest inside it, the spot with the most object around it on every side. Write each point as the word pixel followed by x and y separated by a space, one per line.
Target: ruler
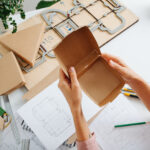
pixel 13 124
pixel 25 144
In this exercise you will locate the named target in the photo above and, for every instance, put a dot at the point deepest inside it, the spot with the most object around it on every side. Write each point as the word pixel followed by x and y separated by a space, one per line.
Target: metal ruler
pixel 25 144
pixel 13 124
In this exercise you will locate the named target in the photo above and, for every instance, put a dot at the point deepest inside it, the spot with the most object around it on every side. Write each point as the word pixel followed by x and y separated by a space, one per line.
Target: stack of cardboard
pixel 24 44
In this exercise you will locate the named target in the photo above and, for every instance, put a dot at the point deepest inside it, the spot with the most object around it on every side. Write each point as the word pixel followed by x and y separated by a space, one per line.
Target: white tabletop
pixel 133 45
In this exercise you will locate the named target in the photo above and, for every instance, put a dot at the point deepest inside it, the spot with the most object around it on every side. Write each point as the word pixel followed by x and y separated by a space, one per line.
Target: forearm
pixel 81 125
pixel 142 89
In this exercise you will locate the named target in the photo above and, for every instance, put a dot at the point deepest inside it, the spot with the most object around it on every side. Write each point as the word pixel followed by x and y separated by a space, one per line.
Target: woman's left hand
pixel 71 89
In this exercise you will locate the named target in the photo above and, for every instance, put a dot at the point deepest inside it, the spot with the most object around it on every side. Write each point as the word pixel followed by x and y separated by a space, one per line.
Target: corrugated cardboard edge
pixel 39 42
pixel 49 79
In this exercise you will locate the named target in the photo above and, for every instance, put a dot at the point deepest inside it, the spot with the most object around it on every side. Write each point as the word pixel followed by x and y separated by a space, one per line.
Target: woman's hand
pixel 130 77
pixel 71 89
pixel 117 64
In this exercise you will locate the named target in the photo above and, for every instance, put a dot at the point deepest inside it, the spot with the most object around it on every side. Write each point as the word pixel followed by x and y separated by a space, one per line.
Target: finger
pixel 73 77
pixel 117 67
pixel 63 85
pixel 105 56
pixel 109 57
pixel 61 75
pixel 63 82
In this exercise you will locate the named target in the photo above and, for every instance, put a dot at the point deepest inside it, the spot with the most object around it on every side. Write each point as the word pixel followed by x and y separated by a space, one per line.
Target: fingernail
pixel 71 69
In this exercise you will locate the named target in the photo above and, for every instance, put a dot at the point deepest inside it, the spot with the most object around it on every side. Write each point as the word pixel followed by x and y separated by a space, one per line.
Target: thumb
pixel 117 67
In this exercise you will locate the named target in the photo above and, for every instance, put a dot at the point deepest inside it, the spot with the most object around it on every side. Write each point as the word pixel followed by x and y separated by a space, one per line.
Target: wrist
pixel 132 77
pixel 135 80
pixel 76 110
pixel 136 83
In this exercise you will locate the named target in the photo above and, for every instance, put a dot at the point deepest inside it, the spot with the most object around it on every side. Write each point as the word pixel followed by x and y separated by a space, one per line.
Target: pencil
pixel 130 124
pixel 128 90
pixel 131 95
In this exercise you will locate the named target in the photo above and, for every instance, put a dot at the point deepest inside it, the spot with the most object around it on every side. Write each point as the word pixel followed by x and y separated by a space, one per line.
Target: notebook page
pixel 121 111
pixel 49 116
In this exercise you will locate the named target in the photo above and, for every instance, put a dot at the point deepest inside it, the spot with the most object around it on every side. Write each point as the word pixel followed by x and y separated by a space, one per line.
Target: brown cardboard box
pixel 25 43
pixel 11 76
pixel 80 49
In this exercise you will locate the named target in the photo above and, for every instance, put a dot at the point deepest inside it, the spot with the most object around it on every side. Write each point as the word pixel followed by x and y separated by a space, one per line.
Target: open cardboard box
pixel 80 49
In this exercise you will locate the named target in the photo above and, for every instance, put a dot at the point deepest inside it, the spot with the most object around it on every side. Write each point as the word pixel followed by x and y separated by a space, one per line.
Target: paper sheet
pixel 49 116
pixel 121 111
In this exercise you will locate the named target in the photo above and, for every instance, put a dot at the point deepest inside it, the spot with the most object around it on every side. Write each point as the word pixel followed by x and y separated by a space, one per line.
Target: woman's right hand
pixel 125 71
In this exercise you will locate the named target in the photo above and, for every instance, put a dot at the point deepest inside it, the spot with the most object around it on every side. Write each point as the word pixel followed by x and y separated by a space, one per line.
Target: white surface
pixel 121 111
pixel 50 118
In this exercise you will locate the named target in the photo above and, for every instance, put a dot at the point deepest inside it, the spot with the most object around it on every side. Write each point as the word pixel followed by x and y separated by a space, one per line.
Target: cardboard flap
pixel 25 43
pixel 75 48
pixel 86 62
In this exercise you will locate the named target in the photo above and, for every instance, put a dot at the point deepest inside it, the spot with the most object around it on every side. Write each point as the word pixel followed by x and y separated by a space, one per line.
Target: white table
pixel 133 45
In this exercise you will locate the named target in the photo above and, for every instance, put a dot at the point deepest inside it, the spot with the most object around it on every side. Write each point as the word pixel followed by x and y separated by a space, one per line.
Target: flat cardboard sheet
pixel 25 43
pixel 3 50
pixel 11 76
pixel 98 80
pixel 44 83
pixel 38 74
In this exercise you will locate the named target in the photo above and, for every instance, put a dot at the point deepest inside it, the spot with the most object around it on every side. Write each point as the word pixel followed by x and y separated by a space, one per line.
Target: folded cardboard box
pixel 98 80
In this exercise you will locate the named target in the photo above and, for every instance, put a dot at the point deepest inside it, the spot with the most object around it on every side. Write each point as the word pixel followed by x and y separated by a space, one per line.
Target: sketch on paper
pixel 49 113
